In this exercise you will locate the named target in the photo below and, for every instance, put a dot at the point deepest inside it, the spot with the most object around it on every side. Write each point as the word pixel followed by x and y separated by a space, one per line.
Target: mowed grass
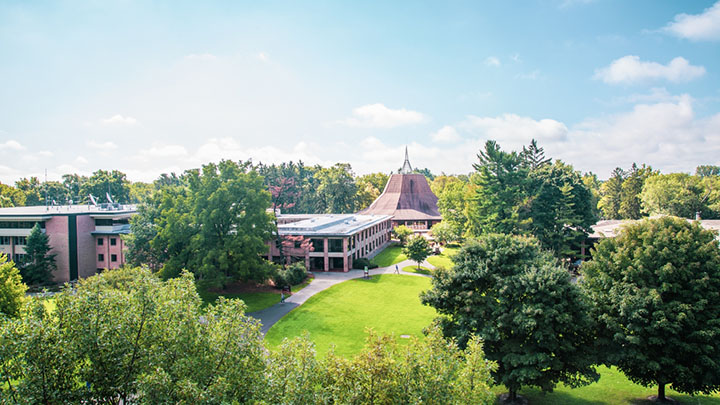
pixel 389 256
pixel 255 301
pixel 444 259
pixel 612 388
pixel 388 303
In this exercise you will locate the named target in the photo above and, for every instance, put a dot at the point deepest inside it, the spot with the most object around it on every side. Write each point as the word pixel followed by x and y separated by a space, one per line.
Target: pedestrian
pixel 366 274
pixel 397 269
pixel 282 296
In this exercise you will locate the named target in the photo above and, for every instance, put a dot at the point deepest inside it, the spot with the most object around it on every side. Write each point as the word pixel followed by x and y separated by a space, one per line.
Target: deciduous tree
pixel 656 289
pixel 417 249
pixel 402 232
pixel 12 289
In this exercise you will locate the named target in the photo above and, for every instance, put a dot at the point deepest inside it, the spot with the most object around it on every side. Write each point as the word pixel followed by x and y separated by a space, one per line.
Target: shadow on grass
pixel 537 397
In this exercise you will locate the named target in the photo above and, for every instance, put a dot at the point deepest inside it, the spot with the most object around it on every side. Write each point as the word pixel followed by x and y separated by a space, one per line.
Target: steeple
pixel 406 168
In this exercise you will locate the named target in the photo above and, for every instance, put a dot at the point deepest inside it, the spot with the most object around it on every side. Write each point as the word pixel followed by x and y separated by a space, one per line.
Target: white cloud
pixel 630 69
pixel 81 160
pixel 118 119
pixel 379 116
pixel 534 75
pixel 446 134
pixel 201 56
pixel 102 146
pixel 45 154
pixel 263 56
pixel 164 151
pixel 514 130
pixel 11 145
pixel 492 61
pixel 703 26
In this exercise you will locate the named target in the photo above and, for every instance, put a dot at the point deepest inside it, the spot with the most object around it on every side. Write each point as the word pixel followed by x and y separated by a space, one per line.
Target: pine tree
pixel 38 265
pixel 534 156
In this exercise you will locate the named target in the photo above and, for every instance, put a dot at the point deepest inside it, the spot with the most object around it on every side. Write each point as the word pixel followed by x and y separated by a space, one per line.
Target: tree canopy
pixel 38 265
pixel 533 321
pixel 417 249
pixel 12 289
pixel 656 289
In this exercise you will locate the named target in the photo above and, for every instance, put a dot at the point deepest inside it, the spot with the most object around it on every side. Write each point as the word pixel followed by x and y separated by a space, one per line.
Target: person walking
pixel 282 296
pixel 397 269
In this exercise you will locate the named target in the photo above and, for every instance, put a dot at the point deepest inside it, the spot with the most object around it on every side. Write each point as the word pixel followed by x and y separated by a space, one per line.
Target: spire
pixel 406 168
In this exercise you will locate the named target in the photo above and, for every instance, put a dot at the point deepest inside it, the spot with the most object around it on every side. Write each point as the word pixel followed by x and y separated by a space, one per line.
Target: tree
pixel 678 194
pixel 656 289
pixel 104 182
pixel 417 249
pixel 443 233
pixel 38 265
pixel 12 289
pixel 532 319
pixel 611 195
pixel 452 204
pixel 534 156
pixel 369 188
pixel 11 196
pixel 337 189
pixel 402 232
pixel 32 190
pixel 217 225
pixel 630 202
pixel 707 170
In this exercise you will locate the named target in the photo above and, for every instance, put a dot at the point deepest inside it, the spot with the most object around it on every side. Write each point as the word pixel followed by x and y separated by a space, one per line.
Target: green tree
pixel 38 265
pixel 417 249
pixel 678 194
pixel 533 156
pixel 402 232
pixel 656 289
pixel 12 289
pixel 140 191
pixel 369 188
pixel 336 190
pixel 611 195
pixel 217 225
pixel 630 203
pixel 32 189
pixel 453 204
pixel 591 182
pixel 104 182
pixel 707 170
pixel 11 196
pixel 443 233
pixel 534 322
pixel 73 184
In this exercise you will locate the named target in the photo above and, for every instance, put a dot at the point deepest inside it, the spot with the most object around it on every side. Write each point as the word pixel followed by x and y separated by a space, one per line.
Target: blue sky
pixel 152 87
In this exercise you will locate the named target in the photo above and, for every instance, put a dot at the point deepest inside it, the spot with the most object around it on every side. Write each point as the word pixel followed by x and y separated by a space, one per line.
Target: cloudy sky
pixel 148 87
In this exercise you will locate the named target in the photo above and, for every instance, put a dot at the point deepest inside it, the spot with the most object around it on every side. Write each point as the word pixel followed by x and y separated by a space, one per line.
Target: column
pixel 345 255
pixel 325 254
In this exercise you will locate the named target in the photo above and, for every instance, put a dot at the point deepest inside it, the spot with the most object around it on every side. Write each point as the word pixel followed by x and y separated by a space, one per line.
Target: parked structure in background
pixel 85 238
pixel 336 239
pixel 408 199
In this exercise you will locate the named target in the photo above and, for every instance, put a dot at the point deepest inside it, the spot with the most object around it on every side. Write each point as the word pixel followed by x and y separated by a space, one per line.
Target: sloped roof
pixel 406 197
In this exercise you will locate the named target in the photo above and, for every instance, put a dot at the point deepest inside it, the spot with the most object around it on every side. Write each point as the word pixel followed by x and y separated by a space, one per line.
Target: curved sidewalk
pixel 323 280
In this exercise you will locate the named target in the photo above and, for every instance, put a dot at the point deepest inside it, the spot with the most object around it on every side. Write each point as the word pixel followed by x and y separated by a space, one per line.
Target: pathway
pixel 323 280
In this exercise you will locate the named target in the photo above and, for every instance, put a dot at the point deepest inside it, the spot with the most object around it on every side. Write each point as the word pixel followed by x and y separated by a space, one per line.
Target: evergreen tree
pixel 611 195
pixel 533 156
pixel 38 264
pixel 630 201
pixel 656 289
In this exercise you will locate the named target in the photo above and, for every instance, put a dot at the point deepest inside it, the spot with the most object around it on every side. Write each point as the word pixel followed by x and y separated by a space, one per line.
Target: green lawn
pixel 387 303
pixel 443 259
pixel 389 256
pixel 612 388
pixel 414 269
pixel 255 301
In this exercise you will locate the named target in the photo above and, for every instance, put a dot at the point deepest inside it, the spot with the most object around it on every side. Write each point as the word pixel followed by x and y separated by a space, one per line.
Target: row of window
pixel 101 257
pixel 111 222
pixel 13 240
pixel 20 224
pixel 113 241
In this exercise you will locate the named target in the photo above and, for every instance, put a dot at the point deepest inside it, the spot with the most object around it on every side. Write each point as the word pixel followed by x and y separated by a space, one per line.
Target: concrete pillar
pixel 307 260
pixel 345 255
pixel 325 254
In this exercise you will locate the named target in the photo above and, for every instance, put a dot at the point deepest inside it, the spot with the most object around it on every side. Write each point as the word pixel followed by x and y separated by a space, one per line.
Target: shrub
pixel 292 275
pixel 362 262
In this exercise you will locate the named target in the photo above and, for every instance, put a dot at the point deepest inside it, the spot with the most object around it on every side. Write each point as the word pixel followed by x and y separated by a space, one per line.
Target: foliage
pixel 611 195
pixel 533 321
pixel 707 171
pixel 682 195
pixel 144 228
pixel 126 337
pixel 362 262
pixel 452 204
pixel 295 183
pixel 294 274
pixel 337 189
pixel 12 289
pixel 11 196
pixel 402 232
pixel 656 288
pixel 443 233
pixel 38 265
pixel 216 225
pixel 417 249
pixel 103 182
pixel 444 259
pixel 32 190
pixel 620 196
pixel 369 188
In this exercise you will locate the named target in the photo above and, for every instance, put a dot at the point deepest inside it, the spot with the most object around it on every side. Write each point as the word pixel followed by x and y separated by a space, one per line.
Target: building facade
pixel 85 239
pixel 327 242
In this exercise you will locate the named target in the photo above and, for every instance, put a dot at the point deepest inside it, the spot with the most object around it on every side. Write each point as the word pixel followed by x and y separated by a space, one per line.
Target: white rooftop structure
pixel 611 228
pixel 39 211
pixel 329 224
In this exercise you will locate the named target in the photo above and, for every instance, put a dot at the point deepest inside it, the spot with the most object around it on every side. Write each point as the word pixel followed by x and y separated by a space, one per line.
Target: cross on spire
pixel 406 168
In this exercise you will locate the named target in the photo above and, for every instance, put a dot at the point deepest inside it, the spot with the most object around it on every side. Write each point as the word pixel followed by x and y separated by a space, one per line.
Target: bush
pixel 12 289
pixel 292 275
pixel 362 262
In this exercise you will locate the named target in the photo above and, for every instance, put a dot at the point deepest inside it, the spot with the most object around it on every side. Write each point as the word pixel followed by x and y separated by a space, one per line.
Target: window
pixel 100 241
pixel 113 241
pixel 101 257
pixel 18 258
pixel 113 258
pixel 4 240
pixel 103 222
pixel 20 240
pixel 318 245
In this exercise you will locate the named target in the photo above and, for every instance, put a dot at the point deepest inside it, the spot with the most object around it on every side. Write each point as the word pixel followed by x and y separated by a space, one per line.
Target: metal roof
pixel 330 224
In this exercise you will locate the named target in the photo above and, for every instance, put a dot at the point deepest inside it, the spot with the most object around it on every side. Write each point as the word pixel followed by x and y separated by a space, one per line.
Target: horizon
pixel 152 88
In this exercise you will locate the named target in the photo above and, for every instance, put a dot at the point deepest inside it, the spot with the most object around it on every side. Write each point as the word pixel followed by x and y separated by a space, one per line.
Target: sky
pixel 151 87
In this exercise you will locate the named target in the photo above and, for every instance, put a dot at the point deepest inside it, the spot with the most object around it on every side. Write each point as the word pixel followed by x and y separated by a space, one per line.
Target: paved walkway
pixel 323 280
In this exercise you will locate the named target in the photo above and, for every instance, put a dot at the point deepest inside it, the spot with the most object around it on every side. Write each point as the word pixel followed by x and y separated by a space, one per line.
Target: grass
pixel 255 301
pixel 389 256
pixel 414 269
pixel 444 259
pixel 387 303
pixel 612 388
